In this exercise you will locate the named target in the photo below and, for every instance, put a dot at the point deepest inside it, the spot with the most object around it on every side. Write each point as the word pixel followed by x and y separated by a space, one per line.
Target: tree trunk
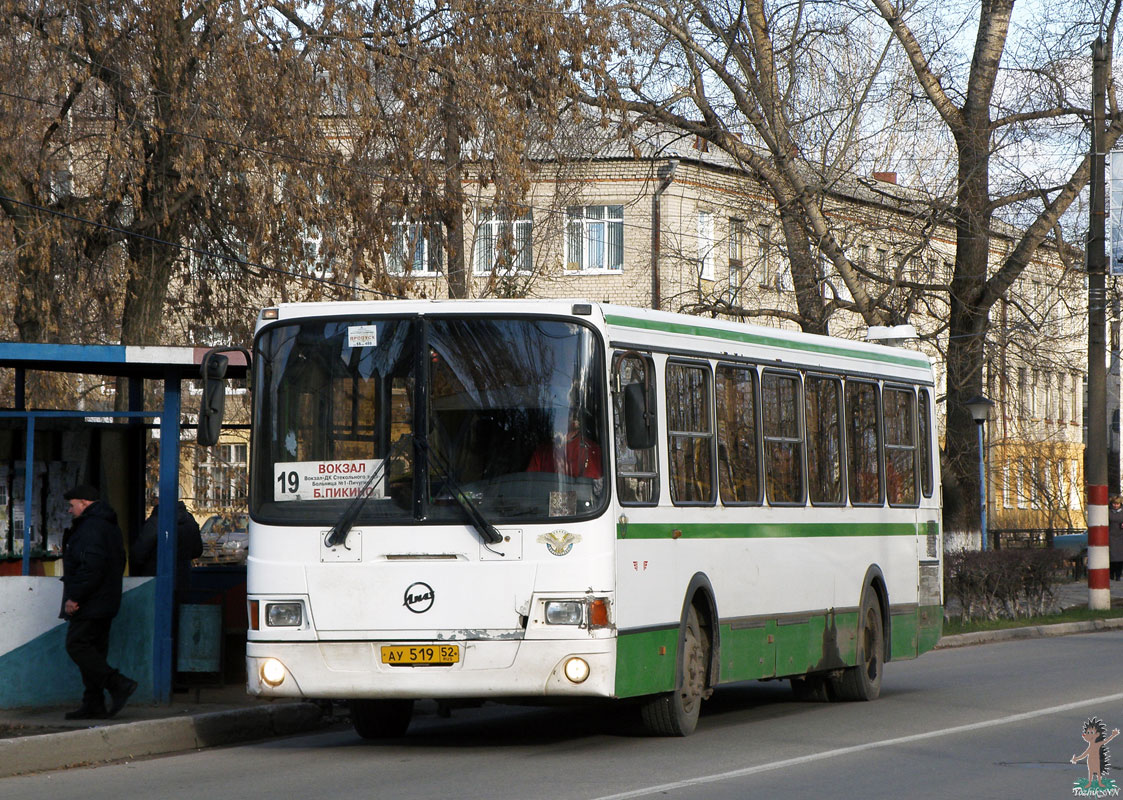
pixel 968 325
pixel 452 215
pixel 806 275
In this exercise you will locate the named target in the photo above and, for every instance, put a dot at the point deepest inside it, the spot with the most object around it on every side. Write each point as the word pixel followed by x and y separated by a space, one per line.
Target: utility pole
pixel 1095 454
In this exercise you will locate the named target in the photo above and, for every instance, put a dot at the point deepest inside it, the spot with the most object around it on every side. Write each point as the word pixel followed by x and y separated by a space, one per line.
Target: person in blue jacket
pixel 93 558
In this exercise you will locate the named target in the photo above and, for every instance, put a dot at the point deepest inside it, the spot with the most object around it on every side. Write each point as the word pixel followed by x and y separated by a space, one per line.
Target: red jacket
pixel 581 459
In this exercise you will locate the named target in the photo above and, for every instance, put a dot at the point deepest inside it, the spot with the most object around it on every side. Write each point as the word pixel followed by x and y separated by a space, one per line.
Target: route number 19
pixel 290 482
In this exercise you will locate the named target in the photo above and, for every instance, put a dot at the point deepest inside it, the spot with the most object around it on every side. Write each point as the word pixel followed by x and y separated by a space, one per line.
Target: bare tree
pixel 807 95
pixel 437 97
pixel 998 101
pixel 794 93
pixel 137 133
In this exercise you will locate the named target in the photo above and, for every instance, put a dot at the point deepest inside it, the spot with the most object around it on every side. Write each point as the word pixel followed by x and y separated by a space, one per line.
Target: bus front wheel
pixel 676 713
pixel 863 681
pixel 381 719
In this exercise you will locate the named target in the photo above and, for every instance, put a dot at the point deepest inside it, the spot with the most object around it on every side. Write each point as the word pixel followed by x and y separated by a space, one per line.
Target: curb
pixel 1030 632
pixel 154 737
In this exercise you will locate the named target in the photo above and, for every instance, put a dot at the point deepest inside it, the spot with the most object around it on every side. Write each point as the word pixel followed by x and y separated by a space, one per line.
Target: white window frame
pixel 706 246
pixel 1024 482
pixel 589 238
pixel 221 475
pixel 490 224
pixel 421 236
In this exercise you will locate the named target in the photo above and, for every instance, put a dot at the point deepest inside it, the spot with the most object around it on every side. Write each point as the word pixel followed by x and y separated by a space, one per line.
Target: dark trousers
pixel 87 644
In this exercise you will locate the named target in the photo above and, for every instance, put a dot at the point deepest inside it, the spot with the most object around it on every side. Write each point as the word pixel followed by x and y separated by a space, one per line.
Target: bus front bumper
pixel 355 670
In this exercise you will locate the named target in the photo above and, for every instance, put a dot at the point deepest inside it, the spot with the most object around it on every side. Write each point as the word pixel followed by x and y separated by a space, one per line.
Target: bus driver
pixel 576 455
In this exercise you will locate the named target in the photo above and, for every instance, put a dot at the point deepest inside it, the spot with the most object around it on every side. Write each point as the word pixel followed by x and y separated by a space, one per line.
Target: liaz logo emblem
pixel 419 597
pixel 559 542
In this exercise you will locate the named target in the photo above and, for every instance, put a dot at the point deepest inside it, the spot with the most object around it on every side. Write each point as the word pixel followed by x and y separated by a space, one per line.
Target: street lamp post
pixel 980 407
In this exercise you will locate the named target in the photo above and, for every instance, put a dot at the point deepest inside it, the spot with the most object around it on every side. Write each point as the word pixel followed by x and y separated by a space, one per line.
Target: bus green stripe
pixel 646 660
pixel 746 530
pixel 763 339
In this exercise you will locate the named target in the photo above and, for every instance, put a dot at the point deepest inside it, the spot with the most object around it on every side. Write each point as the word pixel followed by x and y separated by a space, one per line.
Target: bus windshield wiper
pixel 485 529
pixel 338 533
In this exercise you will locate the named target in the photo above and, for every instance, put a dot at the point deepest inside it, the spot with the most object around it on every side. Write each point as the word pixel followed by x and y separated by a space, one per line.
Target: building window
pixel 595 238
pixel 1024 483
pixel 765 267
pixel 503 242
pixel 690 433
pixel 736 243
pixel 220 475
pixel 415 248
pixel 706 245
pixel 736 260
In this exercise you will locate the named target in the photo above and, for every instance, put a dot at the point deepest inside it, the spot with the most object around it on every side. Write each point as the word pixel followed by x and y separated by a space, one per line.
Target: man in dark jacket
pixel 93 559
pixel 188 546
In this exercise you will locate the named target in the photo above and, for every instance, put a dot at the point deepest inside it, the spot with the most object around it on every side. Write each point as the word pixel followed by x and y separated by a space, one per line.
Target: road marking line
pixel 843 751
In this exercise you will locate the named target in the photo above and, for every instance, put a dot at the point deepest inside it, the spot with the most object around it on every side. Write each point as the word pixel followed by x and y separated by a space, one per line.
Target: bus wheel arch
pixel 863 680
pixel 675 713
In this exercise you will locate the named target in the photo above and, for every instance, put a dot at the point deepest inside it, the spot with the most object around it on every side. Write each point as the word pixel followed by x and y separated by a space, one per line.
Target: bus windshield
pixel 428 417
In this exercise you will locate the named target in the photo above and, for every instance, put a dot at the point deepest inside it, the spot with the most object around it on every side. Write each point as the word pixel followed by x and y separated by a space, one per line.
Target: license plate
pixel 420 655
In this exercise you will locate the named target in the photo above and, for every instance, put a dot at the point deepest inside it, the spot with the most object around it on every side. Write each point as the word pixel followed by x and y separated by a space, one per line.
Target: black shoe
pixel 87 712
pixel 120 694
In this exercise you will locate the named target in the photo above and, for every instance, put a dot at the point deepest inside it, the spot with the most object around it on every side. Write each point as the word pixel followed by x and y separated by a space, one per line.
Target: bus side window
pixel 637 471
pixel 924 437
pixel 783 440
pixel 738 434
pixel 863 443
pixel 824 439
pixel 899 413
pixel 690 437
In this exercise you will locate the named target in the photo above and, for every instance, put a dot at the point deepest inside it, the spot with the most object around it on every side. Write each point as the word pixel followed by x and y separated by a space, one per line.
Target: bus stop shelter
pixel 43 453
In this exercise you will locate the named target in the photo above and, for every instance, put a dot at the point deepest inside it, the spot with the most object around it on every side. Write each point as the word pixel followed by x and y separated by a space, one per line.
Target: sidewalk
pixel 39 739
pixel 1069 595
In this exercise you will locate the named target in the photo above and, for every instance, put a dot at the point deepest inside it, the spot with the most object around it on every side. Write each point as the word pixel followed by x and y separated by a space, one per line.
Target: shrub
pixel 1003 583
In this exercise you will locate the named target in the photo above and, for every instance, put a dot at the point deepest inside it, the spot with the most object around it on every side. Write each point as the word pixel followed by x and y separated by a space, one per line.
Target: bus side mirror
pixel 639 423
pixel 213 371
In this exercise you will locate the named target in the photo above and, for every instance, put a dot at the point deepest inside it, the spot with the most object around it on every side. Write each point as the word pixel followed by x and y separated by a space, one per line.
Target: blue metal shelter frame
pixel 172 365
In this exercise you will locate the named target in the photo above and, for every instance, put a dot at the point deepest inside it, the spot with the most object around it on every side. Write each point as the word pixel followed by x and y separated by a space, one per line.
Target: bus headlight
pixel 577 669
pixel 592 612
pixel 564 612
pixel 283 615
pixel 272 672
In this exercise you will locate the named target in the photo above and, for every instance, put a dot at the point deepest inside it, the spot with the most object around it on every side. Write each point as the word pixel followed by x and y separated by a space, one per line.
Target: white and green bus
pixel 557 499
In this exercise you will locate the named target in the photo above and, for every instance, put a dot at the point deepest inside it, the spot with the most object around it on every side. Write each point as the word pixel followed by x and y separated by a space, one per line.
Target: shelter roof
pixel 130 361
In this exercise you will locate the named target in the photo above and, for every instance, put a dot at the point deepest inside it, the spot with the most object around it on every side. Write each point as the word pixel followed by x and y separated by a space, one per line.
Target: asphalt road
pixel 999 720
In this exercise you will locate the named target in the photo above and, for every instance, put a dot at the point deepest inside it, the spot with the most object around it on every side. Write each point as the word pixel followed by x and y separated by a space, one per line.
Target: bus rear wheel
pixel 676 713
pixel 381 719
pixel 863 681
